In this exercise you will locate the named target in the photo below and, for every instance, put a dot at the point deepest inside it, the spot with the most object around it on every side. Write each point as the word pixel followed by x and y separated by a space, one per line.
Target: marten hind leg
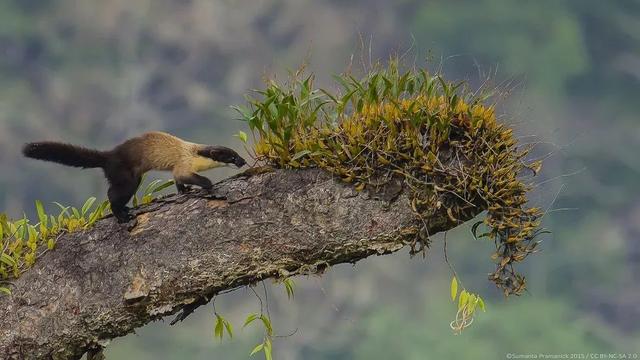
pixel 119 194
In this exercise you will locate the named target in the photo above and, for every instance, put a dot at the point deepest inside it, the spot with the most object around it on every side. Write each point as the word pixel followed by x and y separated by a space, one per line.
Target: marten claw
pixel 132 223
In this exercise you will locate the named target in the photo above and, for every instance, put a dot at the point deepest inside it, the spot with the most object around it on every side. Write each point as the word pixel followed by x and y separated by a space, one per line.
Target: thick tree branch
pixel 105 282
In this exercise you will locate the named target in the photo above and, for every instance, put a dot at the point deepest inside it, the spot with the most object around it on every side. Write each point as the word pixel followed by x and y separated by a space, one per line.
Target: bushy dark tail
pixel 65 154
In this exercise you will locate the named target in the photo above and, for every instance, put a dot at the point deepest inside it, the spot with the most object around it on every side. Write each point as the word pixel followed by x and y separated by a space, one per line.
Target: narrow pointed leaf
pixel 454 288
pixel 256 349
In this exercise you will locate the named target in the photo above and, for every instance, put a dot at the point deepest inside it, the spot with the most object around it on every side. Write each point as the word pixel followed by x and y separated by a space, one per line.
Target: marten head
pixel 223 155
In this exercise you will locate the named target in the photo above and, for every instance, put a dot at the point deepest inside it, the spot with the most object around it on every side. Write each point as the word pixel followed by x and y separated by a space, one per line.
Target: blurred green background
pixel 97 72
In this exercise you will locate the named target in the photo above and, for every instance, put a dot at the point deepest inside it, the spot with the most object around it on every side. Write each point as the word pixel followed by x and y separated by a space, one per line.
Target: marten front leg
pixel 192 179
pixel 182 188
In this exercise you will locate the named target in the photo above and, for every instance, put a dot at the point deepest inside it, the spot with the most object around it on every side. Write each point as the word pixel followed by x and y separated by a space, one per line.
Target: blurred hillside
pixel 96 73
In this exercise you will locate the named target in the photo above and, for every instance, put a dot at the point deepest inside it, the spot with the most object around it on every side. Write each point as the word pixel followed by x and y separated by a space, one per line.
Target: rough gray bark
pixel 105 282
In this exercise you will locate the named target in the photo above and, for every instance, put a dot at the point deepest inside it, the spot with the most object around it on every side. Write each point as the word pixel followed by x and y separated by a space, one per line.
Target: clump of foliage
pixel 22 243
pixel 438 139
pixel 467 304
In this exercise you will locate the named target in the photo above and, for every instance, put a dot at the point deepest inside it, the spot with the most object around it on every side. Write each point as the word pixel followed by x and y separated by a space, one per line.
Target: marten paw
pixel 184 189
pixel 123 216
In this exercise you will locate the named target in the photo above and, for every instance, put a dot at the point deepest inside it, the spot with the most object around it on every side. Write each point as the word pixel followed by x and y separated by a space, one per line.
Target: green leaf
pixel 149 189
pixel 87 205
pixel 267 324
pixel 21 222
pixel 481 303
pixel 243 111
pixel 5 290
pixel 242 136
pixel 63 209
pixel 445 87
pixel 250 319
pixel 163 186
pixel 473 300
pixel 32 233
pixel 229 327
pixel 7 259
pixel 300 154
pixel 256 349
pixel 97 213
pixel 288 286
pixel 462 300
pixel 454 288
pixel 217 332
pixel 267 349
pixel 42 215
pixel 326 93
pixel 474 229
pixel 539 232
pixel 21 229
pixel 142 181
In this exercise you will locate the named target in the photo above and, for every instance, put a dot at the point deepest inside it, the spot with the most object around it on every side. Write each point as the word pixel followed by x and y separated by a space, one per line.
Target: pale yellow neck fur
pixel 201 163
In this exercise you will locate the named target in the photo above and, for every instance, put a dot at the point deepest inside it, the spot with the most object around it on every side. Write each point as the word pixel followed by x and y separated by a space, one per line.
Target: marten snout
pixel 240 162
pixel 222 154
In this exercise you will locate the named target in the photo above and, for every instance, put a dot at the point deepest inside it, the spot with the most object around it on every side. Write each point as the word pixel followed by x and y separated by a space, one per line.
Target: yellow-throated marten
pixel 126 163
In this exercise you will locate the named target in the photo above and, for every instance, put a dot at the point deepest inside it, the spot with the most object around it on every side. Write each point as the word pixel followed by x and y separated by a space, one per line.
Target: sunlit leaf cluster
pixel 468 303
pixel 23 242
pixel 266 345
pixel 439 139
pixel 222 324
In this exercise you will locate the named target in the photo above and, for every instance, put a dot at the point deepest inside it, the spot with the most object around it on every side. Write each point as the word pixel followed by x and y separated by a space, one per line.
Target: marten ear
pixel 205 152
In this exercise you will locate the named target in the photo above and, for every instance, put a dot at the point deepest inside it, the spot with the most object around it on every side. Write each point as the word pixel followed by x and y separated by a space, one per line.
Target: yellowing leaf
pixel 481 303
pixel 242 136
pixel 462 300
pixel 454 288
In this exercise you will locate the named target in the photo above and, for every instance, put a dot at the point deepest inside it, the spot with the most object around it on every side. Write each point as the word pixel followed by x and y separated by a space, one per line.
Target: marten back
pixel 156 150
